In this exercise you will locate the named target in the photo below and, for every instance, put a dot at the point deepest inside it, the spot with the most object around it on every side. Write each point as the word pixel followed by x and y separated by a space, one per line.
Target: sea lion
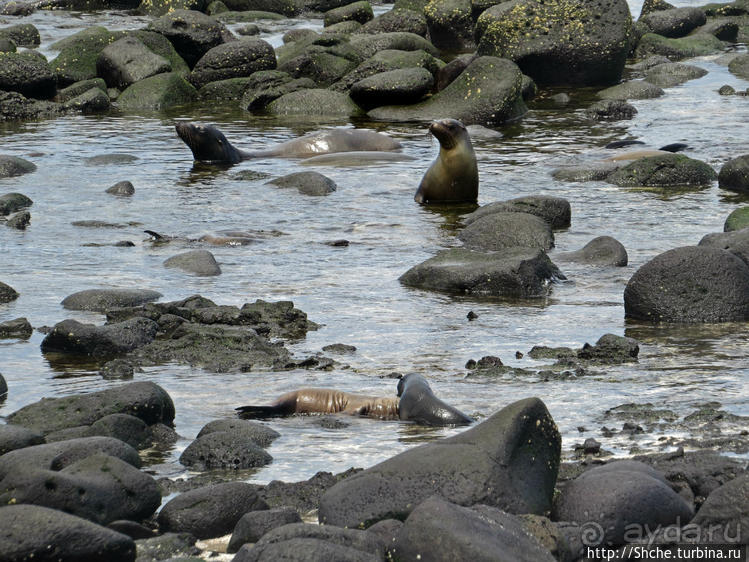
pixel 419 404
pixel 453 177
pixel 637 154
pixel 324 401
pixel 208 144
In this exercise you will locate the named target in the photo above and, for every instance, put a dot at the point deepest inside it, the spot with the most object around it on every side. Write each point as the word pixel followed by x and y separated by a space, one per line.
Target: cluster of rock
pixel 386 66
pixel 504 252
pixel 70 481
pixel 193 331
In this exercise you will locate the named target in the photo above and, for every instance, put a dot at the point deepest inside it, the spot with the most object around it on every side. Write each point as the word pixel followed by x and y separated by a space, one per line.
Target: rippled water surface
pixel 353 292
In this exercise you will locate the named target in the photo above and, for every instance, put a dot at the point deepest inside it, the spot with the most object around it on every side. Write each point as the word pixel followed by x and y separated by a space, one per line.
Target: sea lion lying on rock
pixel 208 144
pixel 417 403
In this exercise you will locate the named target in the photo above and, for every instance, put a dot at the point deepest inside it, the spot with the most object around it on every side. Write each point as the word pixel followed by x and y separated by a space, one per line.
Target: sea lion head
pixel 449 132
pixel 207 143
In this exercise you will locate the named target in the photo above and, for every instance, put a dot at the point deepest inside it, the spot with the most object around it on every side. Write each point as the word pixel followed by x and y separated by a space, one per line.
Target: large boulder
pixel 502 230
pixel 224 449
pixel 144 400
pixel 734 175
pixel 127 61
pixel 79 53
pixel 726 512
pixel 192 33
pixel 395 87
pixel 161 91
pixel 450 24
pixel 14 437
pixel 385 61
pixel 100 300
pixel 314 543
pixel 665 170
pixel 56 456
pixel 509 461
pixel 233 60
pixel 74 338
pixel 27 74
pixel 580 42
pixel 314 102
pixel 511 273
pixel 404 20
pixel 690 284
pixel 610 499
pixel 675 22
pixel 100 488
pixel 440 530
pixel 554 210
pixel 488 91
pixel 38 533
pixel 360 11
pixel 210 511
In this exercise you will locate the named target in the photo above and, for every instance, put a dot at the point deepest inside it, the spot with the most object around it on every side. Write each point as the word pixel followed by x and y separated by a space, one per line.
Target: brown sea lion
pixel 324 401
pixel 417 403
pixel 208 144
pixel 454 176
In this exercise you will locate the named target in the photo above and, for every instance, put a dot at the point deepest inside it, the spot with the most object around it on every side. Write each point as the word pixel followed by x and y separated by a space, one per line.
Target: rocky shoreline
pixel 75 483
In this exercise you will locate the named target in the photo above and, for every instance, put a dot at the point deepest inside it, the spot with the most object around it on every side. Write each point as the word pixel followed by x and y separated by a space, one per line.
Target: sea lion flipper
pixel 154 235
pixel 253 412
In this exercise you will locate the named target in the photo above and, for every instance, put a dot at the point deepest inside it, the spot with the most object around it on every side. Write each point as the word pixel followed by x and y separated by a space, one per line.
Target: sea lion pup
pixel 454 176
pixel 419 404
pixel 208 144
pixel 324 401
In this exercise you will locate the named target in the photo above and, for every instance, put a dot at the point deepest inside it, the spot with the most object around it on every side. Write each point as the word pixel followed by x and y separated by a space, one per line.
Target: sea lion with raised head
pixel 419 404
pixel 208 144
pixel 324 401
pixel 454 176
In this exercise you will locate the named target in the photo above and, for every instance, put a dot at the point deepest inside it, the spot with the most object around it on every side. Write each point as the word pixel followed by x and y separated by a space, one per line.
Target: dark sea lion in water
pixel 454 176
pixel 419 404
pixel 324 401
pixel 208 144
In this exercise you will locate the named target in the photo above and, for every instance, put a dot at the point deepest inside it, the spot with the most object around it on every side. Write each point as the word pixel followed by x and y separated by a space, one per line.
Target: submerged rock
pixel 734 175
pixel 307 183
pixel 14 166
pixel 196 262
pixel 602 250
pixel 100 300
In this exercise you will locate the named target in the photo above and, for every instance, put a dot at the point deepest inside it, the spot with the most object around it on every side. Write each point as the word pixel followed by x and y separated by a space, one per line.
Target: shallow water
pixel 353 292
